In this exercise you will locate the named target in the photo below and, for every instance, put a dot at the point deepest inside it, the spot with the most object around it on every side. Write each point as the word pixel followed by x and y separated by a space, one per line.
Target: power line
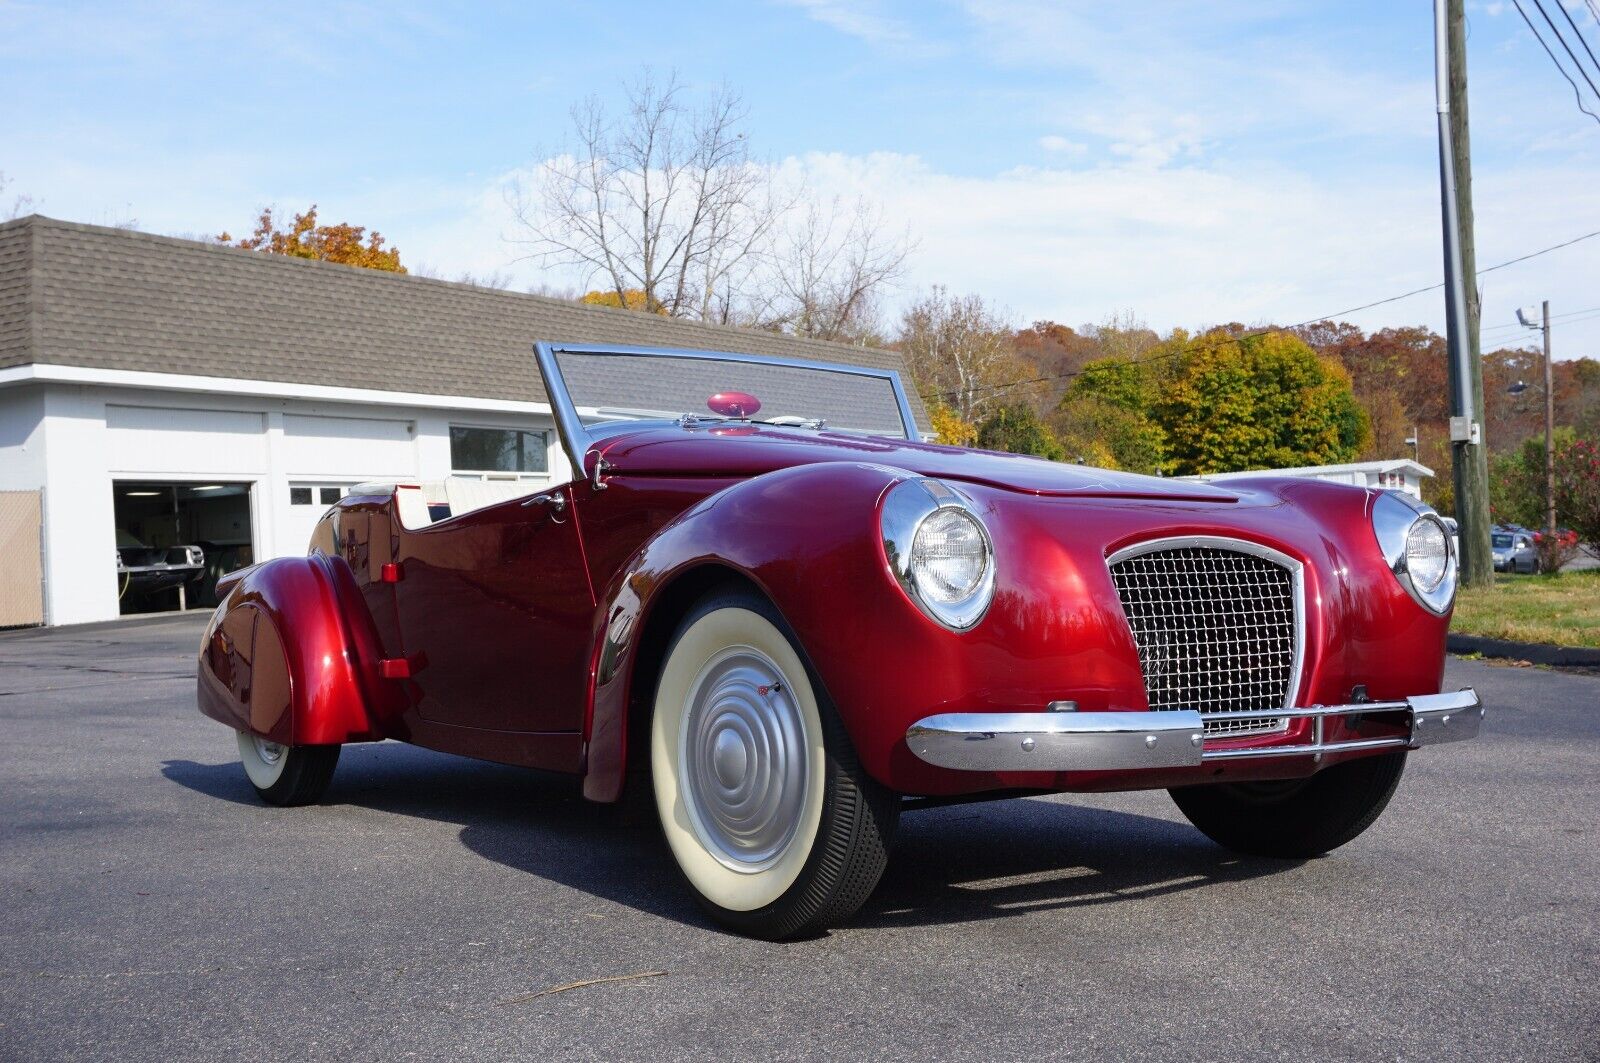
pixel 1545 13
pixel 1577 95
pixel 1578 34
pixel 1179 351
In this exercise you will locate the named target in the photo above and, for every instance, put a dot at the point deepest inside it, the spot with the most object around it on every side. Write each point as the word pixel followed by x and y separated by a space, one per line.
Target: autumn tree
pixel 347 244
pixel 1398 375
pixel 1107 416
pixel 631 299
pixel 1577 468
pixel 949 428
pixel 1016 428
pixel 958 351
pixel 1256 402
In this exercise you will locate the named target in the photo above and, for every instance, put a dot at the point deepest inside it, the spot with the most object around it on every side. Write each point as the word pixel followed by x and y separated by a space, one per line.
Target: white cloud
pixel 1054 142
pixel 1184 246
pixel 864 20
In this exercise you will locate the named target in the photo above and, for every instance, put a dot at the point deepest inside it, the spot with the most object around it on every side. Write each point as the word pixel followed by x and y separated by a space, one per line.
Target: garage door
pixel 150 439
pixel 339 448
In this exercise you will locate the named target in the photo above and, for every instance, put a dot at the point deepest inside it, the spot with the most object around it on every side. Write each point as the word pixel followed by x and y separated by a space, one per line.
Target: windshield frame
pixel 577 438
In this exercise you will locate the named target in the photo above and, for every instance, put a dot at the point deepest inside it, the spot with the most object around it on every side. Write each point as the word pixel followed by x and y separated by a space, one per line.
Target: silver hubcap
pixel 269 752
pixel 744 760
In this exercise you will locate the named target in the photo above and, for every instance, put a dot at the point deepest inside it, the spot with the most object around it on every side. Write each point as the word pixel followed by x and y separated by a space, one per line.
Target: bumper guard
pixel 1099 741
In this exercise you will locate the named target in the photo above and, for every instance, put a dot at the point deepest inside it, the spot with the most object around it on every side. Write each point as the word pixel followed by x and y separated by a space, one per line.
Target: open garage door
pixel 175 540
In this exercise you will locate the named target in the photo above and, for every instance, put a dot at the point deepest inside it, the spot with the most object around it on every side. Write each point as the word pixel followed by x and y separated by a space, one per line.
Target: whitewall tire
pixel 286 775
pixel 764 807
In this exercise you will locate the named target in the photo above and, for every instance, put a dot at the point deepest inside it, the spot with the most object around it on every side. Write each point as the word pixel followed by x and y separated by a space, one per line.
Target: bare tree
pixel 666 202
pixel 830 266
pixel 18 206
pixel 960 353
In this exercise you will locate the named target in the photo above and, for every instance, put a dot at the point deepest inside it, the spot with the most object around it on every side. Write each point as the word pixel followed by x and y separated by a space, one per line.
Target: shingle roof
pixel 97 297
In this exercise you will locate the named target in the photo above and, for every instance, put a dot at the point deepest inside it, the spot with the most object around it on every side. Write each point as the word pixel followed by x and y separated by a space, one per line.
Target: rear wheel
pixel 1297 819
pixel 770 817
pixel 286 775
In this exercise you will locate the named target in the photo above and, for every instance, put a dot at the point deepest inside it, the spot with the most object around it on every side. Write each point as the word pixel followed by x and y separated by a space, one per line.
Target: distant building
pixel 1396 474
pixel 159 394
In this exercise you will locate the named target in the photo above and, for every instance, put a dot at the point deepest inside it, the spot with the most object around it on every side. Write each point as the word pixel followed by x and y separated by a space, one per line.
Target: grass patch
pixel 1563 609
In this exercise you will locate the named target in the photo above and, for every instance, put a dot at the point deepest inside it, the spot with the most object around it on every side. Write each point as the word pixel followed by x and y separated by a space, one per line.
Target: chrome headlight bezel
pixel 1393 519
pixel 906 508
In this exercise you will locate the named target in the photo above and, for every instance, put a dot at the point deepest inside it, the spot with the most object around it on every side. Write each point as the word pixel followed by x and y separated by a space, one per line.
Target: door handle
pixel 553 499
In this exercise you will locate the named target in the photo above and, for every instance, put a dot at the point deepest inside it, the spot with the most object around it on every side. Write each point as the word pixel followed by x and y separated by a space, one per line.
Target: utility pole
pixel 1549 437
pixel 1470 463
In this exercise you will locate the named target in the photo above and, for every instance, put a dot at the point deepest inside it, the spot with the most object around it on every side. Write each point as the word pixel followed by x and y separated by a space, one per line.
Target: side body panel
pixel 495 614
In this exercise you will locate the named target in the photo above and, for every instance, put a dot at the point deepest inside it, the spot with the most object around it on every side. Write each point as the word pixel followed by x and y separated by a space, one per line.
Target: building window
pixel 480 450
pixel 299 496
pixel 329 495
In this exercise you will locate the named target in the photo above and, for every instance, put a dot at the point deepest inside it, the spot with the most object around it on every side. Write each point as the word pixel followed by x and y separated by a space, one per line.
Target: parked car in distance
pixel 145 570
pixel 764 607
pixel 1513 551
pixel 1454 529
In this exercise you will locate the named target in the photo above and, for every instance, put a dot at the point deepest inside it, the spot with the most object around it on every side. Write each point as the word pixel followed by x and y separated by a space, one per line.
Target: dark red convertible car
pixel 764 604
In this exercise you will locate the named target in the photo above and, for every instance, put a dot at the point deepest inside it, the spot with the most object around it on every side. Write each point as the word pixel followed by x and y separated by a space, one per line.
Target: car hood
pixel 750 450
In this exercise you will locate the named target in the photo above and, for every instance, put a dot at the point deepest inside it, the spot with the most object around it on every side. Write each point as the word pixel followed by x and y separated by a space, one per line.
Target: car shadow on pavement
pixel 950 864
pixel 1012 857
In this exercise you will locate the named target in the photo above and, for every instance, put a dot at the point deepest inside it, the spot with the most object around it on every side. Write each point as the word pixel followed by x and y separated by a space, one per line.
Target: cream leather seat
pixel 465 496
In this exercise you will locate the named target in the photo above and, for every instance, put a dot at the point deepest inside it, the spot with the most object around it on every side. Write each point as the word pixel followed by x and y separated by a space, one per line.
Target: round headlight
pixel 1427 554
pixel 939 551
pixel 949 556
pixel 1417 549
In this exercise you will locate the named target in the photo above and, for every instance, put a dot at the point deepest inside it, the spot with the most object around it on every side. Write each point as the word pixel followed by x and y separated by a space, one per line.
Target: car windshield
pixel 1501 542
pixel 607 386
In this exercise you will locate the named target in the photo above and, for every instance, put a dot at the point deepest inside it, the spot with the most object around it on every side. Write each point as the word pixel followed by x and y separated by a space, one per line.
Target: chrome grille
pixel 1216 627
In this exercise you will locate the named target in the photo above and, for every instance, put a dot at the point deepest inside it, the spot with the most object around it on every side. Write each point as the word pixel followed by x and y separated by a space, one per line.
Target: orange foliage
pixel 635 299
pixel 343 243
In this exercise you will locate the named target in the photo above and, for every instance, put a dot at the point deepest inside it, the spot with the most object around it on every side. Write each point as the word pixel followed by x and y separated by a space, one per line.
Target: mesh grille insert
pixel 1215 630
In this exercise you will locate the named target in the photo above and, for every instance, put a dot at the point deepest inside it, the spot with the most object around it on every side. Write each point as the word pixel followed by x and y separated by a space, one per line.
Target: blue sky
pixel 1192 163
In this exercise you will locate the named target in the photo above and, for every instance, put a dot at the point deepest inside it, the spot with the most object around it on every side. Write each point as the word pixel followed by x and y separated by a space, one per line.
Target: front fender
pixel 807 537
pixel 291 655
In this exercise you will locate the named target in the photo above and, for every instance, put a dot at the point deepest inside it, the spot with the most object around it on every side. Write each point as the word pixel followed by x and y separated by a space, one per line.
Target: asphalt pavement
pixel 152 909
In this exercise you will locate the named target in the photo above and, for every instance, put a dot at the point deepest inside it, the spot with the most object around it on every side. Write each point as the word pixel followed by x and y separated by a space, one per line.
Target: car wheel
pixel 1297 819
pixel 768 813
pixel 287 775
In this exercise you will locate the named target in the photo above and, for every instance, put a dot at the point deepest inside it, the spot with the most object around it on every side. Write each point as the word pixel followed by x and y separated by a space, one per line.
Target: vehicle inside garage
pixel 175 540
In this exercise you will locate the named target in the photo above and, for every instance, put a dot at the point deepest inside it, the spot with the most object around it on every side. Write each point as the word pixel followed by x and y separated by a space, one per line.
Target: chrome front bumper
pixel 1098 741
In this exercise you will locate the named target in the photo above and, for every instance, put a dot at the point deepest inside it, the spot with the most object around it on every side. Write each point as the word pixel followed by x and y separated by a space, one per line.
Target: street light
pixel 1540 319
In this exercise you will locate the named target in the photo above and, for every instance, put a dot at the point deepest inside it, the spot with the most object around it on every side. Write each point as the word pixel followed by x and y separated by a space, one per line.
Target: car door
pixel 495 613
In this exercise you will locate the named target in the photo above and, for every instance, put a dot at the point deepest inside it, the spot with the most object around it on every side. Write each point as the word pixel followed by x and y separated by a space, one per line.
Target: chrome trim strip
pixel 1058 741
pixel 1297 575
pixel 1098 741
pixel 577 440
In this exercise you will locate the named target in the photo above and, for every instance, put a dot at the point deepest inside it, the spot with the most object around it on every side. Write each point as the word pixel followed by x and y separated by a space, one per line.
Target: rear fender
pixel 291 654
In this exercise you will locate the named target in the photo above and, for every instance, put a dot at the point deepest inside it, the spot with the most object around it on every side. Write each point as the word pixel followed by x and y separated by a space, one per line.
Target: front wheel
pixel 286 775
pixel 769 815
pixel 1297 819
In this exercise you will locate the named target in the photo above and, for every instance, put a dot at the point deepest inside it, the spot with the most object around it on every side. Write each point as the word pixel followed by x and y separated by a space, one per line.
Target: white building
pixel 1396 474
pixel 158 392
